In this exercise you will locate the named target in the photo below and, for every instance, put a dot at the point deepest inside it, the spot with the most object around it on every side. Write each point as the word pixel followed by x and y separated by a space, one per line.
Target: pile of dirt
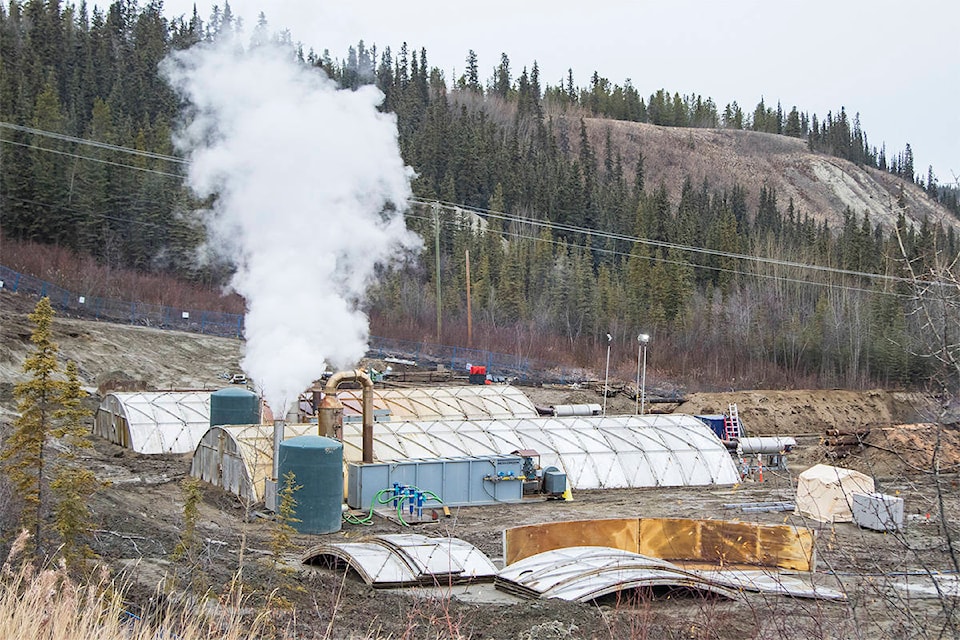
pixel 813 411
pixel 116 356
pixel 910 448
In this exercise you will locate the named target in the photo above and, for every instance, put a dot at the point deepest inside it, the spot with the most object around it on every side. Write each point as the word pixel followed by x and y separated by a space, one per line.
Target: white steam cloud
pixel 302 173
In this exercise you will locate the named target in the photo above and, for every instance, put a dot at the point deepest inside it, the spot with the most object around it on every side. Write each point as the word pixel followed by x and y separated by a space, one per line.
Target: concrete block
pixel 878 511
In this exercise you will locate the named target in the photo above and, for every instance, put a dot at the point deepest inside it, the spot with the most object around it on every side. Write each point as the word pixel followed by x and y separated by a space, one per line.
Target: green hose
pixel 378 499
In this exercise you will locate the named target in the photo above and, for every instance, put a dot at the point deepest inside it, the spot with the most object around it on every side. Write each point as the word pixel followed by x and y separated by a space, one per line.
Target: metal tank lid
pixel 233 391
pixel 312 442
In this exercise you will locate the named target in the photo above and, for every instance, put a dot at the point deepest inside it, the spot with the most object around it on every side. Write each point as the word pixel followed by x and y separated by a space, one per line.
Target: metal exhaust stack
pixel 278 426
pixel 330 413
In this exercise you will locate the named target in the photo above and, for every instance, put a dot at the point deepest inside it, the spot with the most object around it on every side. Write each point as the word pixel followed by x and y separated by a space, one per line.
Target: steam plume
pixel 302 173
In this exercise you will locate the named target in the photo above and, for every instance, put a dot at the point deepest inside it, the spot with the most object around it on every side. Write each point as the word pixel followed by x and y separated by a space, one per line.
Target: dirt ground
pixel 888 577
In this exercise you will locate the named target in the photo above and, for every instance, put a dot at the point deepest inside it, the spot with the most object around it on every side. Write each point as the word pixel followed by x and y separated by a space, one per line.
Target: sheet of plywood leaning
pixel 523 542
pixel 710 542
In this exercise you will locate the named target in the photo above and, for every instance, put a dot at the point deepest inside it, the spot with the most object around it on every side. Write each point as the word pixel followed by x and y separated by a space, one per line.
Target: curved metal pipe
pixel 331 410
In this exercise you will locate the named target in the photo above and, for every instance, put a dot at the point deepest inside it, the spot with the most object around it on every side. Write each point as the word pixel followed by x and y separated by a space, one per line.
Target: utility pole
pixel 469 312
pixel 436 228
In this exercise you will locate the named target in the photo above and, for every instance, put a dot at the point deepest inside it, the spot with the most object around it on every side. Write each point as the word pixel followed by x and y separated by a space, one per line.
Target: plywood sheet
pixel 729 542
pixel 523 542
pixel 673 538
pixel 788 547
pixel 719 543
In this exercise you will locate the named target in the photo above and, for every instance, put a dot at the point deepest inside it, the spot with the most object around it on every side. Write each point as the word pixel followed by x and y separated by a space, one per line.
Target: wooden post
pixel 436 228
pixel 469 312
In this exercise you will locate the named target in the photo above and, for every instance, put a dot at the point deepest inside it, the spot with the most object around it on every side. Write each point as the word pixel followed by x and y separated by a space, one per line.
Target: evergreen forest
pixel 572 244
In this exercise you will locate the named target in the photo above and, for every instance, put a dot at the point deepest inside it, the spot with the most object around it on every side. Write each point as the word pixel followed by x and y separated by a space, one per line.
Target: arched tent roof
pixel 154 421
pixel 465 402
pixel 240 459
pixel 595 452
pixel 609 452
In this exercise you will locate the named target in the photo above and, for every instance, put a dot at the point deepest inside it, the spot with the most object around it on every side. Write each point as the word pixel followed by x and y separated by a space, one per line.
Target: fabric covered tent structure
pixel 464 402
pixel 608 452
pixel 154 422
pixel 825 493
pixel 595 452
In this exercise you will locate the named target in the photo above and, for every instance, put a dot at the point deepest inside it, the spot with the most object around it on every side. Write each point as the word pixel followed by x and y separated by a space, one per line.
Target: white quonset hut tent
pixel 240 459
pixel 595 452
pixel 465 402
pixel 609 452
pixel 154 421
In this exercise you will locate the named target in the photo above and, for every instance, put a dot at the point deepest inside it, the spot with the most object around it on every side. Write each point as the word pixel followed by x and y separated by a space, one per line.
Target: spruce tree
pixel 72 485
pixel 38 400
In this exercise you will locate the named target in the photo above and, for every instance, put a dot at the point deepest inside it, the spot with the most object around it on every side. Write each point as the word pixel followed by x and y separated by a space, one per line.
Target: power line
pixel 80 215
pixel 737 272
pixel 92 143
pixel 606 235
pixel 100 160
pixel 457 208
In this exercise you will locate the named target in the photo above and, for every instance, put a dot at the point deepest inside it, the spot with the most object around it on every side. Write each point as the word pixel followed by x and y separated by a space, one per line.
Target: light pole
pixel 642 341
pixel 606 376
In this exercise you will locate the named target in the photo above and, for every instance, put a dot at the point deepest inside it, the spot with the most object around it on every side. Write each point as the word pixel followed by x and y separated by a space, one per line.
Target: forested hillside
pixel 585 210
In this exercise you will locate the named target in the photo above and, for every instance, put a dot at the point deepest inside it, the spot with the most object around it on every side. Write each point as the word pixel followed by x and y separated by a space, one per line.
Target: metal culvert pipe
pixel 766 444
pixel 330 414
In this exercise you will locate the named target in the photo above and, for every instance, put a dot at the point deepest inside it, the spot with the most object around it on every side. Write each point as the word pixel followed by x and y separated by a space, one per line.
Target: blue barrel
pixel 234 406
pixel 317 465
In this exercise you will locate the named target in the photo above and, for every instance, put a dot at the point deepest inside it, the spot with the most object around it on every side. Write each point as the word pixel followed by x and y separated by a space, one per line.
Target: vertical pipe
pixel 277 439
pixel 367 422
pixel 330 393
pixel 643 384
pixel 639 348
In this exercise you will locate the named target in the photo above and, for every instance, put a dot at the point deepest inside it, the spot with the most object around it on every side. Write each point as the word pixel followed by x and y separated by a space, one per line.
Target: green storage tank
pixel 234 406
pixel 317 465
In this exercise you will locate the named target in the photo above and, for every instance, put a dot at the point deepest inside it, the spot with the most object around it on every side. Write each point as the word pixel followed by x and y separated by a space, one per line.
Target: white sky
pixel 897 63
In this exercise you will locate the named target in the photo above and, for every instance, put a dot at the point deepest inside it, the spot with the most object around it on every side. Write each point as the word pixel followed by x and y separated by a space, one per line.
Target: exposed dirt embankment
pixel 798 412
pixel 117 355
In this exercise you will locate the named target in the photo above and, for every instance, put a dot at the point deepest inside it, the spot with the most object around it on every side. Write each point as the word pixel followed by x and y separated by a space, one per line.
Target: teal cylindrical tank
pixel 234 406
pixel 317 466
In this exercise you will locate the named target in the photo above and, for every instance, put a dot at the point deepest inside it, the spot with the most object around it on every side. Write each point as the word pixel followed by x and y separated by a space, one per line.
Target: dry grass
pixel 84 275
pixel 48 604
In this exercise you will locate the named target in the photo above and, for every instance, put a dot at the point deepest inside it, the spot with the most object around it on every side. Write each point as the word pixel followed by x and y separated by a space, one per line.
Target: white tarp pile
pixel 825 493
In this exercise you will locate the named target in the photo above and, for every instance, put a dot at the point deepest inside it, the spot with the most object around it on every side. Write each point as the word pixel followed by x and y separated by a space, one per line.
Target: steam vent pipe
pixel 330 413
pixel 278 429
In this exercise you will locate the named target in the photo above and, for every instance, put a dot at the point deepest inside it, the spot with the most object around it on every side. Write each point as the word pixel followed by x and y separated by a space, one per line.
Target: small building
pixel 154 422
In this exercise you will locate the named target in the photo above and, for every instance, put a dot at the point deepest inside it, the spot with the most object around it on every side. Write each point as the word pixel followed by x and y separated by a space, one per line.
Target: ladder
pixel 731 423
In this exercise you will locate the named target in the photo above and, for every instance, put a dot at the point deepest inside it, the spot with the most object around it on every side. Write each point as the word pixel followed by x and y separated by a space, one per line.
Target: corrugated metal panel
pixel 595 452
pixel 154 422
